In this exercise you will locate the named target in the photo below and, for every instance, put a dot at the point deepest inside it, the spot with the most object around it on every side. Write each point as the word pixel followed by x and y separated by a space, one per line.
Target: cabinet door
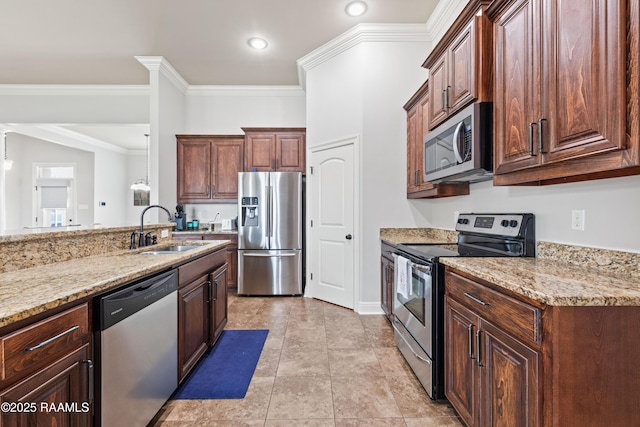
pixel 290 152
pixel 194 170
pixel 66 381
pixel 218 302
pixel 462 70
pixel 193 323
pixel 437 91
pixel 228 160
pixel 260 153
pixel 461 370
pixel 517 94
pixel 585 83
pixel 412 135
pixel 509 381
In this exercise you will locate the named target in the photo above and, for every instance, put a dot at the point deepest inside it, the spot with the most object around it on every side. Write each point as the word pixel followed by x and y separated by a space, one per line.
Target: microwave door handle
pixel 456 140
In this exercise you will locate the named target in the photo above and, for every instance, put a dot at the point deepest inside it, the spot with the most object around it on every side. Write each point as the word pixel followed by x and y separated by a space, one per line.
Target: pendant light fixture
pixel 143 184
pixel 8 164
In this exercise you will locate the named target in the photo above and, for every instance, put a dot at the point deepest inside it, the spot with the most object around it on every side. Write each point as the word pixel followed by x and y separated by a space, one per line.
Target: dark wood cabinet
pixel 48 363
pixel 513 361
pixel 232 251
pixel 208 166
pixel 566 93
pixel 460 66
pixel 491 369
pixel 202 309
pixel 193 324
pixel 417 127
pixel 65 382
pixel 275 149
pixel 218 301
pixel 387 280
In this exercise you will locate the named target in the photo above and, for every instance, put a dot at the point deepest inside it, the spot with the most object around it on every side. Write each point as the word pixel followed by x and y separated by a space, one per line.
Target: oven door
pixel 413 301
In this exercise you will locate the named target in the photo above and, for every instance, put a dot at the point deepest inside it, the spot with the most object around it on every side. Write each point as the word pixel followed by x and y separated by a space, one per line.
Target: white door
pixel 331 234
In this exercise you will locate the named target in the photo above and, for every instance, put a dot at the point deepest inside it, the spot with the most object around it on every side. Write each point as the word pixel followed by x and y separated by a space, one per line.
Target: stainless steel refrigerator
pixel 270 233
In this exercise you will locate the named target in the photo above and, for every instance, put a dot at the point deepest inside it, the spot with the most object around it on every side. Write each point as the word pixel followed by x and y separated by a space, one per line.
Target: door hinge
pixel 312 223
pixel 311 170
pixel 311 276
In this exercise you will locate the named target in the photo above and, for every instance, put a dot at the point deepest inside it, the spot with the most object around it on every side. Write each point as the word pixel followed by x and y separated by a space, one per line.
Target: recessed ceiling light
pixel 257 43
pixel 356 8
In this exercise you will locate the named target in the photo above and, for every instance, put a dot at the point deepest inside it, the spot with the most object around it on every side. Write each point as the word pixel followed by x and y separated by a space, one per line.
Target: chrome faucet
pixel 143 240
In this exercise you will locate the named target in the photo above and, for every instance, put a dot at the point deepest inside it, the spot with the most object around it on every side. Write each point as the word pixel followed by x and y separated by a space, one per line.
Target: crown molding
pixel 74 90
pixel 359 34
pixel 248 90
pixel 159 63
pixel 444 14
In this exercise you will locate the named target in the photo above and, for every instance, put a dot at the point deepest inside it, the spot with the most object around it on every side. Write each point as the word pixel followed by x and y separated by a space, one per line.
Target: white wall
pixel 360 92
pixel 25 151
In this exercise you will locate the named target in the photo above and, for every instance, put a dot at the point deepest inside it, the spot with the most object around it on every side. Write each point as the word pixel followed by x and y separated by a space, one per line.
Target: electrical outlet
pixel 577 219
pixel 164 233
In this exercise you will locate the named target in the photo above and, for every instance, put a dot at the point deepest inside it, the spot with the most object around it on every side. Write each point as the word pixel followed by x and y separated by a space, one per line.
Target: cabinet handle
pixel 446 97
pixel 209 189
pixel 478 348
pixel 415 178
pixel 273 164
pixel 470 329
pixel 90 382
pixel 472 298
pixel 443 109
pixel 540 136
pixel 209 291
pixel 213 190
pixel 531 125
pixel 52 339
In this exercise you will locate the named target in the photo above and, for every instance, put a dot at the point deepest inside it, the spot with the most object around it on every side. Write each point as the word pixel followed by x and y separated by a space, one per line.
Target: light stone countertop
pixel 552 282
pixel 34 290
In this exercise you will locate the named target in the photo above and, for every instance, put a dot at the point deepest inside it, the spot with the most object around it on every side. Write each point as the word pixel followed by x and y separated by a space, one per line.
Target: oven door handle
pixel 395 319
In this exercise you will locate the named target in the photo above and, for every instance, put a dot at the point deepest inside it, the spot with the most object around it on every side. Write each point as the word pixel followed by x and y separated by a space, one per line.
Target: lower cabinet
pixel 47 372
pixel 513 361
pixel 232 251
pixel 202 309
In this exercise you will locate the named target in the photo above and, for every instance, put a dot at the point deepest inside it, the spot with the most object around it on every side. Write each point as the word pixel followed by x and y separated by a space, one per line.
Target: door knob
pixel 348 237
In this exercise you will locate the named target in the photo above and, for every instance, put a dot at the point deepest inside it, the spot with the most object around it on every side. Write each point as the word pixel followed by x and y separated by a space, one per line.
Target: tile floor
pixel 322 365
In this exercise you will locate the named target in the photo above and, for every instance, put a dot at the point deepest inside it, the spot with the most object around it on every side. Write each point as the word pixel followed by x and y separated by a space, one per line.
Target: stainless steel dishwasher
pixel 137 347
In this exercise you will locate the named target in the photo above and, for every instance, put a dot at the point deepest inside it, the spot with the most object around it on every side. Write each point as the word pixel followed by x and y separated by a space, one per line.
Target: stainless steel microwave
pixel 461 149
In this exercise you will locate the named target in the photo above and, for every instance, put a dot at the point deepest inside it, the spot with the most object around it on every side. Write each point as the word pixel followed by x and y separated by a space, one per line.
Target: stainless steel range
pixel 419 286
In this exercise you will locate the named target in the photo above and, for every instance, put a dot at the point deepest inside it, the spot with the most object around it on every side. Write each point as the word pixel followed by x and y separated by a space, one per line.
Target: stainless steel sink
pixel 170 250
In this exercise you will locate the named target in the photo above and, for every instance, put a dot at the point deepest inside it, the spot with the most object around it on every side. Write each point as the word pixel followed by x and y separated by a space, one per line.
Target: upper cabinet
pixel 208 167
pixel 275 149
pixel 460 65
pixel 417 127
pixel 566 90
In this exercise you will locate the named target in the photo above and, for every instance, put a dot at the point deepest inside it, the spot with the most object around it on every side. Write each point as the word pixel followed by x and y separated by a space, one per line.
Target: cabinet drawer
pixel 517 317
pixel 194 269
pixel 35 346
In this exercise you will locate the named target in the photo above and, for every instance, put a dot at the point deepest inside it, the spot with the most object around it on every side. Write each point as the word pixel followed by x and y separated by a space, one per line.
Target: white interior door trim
pixel 357 223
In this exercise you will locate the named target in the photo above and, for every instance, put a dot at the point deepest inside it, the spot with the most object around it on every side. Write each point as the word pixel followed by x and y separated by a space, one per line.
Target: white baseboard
pixel 369 308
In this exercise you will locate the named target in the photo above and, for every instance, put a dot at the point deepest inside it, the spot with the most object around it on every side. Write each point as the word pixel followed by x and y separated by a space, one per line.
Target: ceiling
pixel 96 41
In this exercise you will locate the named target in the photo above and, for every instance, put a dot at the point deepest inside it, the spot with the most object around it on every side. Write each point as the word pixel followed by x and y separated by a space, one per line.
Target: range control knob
pixel 513 223
pixel 504 223
pixel 463 221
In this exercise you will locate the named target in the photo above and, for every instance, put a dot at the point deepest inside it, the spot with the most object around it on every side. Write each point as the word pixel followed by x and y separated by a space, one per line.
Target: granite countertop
pixel 31 291
pixel 187 232
pixel 396 236
pixel 553 282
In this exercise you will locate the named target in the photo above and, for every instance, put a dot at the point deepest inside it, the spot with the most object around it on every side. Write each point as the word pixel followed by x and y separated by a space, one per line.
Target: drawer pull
pixel 471 297
pixel 52 339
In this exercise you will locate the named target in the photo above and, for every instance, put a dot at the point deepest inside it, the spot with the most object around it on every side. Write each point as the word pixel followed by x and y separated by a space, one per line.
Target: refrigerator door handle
pixel 268 255
pixel 271 214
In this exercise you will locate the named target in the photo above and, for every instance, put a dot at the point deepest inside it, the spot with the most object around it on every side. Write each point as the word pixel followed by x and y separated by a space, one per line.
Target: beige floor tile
pixel 349 338
pixel 180 411
pixel 206 422
pixel 301 398
pixel 363 397
pixel 268 363
pixel 254 405
pixel 380 337
pixel 414 402
pixel 300 423
pixel 434 422
pixel 354 362
pixel 371 422
pixel 302 362
pixel 305 338
pixel 392 362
